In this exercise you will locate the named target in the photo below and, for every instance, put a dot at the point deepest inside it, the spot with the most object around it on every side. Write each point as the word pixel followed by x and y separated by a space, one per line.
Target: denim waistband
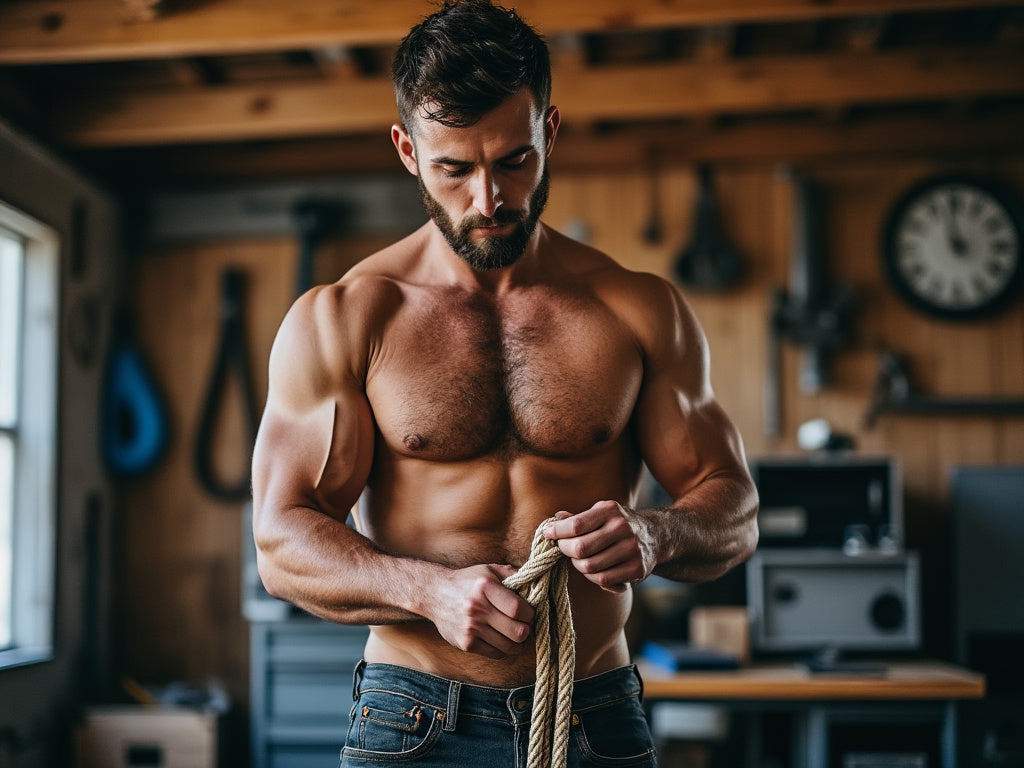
pixel 454 697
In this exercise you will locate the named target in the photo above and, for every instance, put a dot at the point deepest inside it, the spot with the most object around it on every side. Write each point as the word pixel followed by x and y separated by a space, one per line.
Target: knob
pixel 785 593
pixel 887 612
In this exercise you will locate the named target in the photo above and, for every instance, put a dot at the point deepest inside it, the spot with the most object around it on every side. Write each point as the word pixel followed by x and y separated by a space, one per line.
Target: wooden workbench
pixel 776 682
pixel 920 689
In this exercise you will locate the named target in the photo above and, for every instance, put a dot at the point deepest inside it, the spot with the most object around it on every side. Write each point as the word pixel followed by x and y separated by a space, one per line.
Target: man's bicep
pixel 315 441
pixel 685 435
pixel 319 457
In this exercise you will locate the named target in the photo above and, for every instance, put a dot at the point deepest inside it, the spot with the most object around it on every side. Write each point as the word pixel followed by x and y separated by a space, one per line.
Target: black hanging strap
pixel 231 353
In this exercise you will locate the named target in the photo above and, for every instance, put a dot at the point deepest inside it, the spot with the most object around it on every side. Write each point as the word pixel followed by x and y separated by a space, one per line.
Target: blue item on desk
pixel 679 656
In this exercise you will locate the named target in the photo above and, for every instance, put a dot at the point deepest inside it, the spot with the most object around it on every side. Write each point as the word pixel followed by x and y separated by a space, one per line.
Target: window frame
pixel 35 436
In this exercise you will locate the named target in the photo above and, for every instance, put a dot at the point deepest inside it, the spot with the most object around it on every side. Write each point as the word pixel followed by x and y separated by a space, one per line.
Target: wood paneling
pixel 181 564
pixel 180 592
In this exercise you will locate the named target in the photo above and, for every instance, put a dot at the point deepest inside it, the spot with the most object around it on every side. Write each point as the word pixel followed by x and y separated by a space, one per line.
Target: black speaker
pixel 810 600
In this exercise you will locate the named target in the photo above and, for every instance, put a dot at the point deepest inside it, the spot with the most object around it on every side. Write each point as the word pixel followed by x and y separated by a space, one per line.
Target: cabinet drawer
pixel 303 756
pixel 323 694
pixel 313 643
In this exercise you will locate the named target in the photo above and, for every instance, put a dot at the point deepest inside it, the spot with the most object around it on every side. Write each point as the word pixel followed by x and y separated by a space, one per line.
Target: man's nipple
pixel 415 442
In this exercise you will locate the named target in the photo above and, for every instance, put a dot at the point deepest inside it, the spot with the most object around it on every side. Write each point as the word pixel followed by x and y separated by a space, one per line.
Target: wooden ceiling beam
pixel 52 31
pixel 864 36
pixel 782 83
pixel 774 140
pixel 607 93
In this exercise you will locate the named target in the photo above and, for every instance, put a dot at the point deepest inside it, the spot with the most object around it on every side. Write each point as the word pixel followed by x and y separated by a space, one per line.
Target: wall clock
pixel 952 247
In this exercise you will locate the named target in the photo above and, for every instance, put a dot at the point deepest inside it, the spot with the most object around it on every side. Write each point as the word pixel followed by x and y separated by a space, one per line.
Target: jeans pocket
pixel 389 727
pixel 614 734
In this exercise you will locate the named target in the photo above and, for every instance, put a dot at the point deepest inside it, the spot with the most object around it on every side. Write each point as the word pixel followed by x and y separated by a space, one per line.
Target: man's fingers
pixel 509 602
pixel 568 525
pixel 602 545
pixel 622 554
pixel 580 537
pixel 480 615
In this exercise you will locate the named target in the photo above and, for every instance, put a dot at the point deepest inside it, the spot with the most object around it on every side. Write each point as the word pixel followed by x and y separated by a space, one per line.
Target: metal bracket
pixel 892 394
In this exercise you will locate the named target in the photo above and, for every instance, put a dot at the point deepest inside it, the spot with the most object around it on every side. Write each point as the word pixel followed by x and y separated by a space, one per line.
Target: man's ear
pixel 551 122
pixel 406 149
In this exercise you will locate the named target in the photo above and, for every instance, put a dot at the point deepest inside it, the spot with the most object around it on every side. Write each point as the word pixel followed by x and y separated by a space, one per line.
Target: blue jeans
pixel 402 715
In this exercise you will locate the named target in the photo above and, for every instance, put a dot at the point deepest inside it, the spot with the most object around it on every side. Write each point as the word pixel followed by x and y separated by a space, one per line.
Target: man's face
pixel 485 185
pixel 489 251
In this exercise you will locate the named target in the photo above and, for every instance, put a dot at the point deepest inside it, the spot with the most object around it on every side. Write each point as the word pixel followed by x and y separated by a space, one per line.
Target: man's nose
pixel 486 195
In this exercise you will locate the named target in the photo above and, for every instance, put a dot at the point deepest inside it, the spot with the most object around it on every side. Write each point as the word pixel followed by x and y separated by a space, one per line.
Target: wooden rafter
pixel 48 31
pixel 614 92
pixel 768 140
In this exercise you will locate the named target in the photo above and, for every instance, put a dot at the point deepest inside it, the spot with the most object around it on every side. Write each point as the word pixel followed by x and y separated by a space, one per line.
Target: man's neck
pixel 496 282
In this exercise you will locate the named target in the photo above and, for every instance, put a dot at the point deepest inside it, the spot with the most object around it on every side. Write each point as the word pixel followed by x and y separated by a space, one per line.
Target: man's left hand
pixel 606 543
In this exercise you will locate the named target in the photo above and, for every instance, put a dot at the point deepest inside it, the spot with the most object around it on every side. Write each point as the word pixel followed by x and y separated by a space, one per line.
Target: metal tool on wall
pixel 812 314
pixel 654 232
pixel 232 354
pixel 708 262
pixel 315 219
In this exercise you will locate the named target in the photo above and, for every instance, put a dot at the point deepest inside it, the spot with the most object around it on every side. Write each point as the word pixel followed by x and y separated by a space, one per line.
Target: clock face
pixel 953 247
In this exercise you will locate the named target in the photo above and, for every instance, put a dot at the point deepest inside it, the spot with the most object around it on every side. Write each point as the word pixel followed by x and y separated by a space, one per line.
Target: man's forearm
pixel 330 570
pixel 708 531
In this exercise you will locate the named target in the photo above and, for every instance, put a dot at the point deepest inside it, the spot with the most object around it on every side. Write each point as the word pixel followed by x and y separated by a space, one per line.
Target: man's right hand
pixel 476 613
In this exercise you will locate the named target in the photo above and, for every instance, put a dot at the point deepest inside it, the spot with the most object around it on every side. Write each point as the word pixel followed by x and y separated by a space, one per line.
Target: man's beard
pixel 492 252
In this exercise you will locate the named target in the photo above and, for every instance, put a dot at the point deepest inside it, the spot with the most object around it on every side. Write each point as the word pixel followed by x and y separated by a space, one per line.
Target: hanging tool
pixel 654 233
pixel 893 394
pixel 232 353
pixel 708 262
pixel 134 431
pixel 812 314
pixel 315 219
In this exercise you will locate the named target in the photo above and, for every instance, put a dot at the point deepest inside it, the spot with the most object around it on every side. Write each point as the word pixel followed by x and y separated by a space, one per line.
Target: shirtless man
pixel 476 378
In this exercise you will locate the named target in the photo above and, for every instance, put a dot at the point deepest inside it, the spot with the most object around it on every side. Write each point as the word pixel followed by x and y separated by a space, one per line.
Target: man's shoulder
pixel 624 289
pixel 375 285
pixel 650 305
pixel 604 272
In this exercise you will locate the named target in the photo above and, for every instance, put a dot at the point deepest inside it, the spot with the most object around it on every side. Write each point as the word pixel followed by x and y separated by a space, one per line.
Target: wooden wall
pixel 180 565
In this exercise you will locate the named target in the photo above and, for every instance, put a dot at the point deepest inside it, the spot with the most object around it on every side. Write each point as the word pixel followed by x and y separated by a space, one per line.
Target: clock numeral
pixel 995 268
pixel 995 224
pixel 935 287
pixel 1002 247
pixel 975 208
pixel 983 288
pixel 957 295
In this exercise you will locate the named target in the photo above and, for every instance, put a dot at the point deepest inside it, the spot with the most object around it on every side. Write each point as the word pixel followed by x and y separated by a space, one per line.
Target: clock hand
pixel 957 242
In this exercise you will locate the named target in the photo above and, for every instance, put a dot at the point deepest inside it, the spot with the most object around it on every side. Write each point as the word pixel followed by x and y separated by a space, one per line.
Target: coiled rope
pixel 543 583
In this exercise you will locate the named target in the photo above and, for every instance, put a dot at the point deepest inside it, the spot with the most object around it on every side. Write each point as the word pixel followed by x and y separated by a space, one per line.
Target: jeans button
pixel 522 704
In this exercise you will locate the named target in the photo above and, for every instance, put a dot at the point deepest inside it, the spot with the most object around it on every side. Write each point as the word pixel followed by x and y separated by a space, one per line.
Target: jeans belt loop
pixel 454 688
pixel 640 680
pixel 357 678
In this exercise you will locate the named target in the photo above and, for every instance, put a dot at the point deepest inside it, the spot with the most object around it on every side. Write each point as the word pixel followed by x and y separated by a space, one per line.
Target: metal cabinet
pixel 301 691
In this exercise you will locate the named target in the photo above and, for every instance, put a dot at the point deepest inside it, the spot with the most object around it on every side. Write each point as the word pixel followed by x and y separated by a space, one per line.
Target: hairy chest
pixel 459 376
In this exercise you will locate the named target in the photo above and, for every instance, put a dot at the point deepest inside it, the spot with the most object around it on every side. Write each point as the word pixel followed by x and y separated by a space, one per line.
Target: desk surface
pixel 785 682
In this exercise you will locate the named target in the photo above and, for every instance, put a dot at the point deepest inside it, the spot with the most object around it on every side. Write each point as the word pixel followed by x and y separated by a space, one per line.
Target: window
pixel 28 436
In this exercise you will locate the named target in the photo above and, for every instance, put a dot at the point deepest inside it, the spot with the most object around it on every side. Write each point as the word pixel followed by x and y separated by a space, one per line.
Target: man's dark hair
pixel 464 60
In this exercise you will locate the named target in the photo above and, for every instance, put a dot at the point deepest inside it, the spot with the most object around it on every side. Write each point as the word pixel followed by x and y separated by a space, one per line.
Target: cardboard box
pixel 724 629
pixel 132 737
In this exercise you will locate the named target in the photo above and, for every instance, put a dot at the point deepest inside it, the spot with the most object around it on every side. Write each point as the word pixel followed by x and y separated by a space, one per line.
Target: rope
pixel 543 583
